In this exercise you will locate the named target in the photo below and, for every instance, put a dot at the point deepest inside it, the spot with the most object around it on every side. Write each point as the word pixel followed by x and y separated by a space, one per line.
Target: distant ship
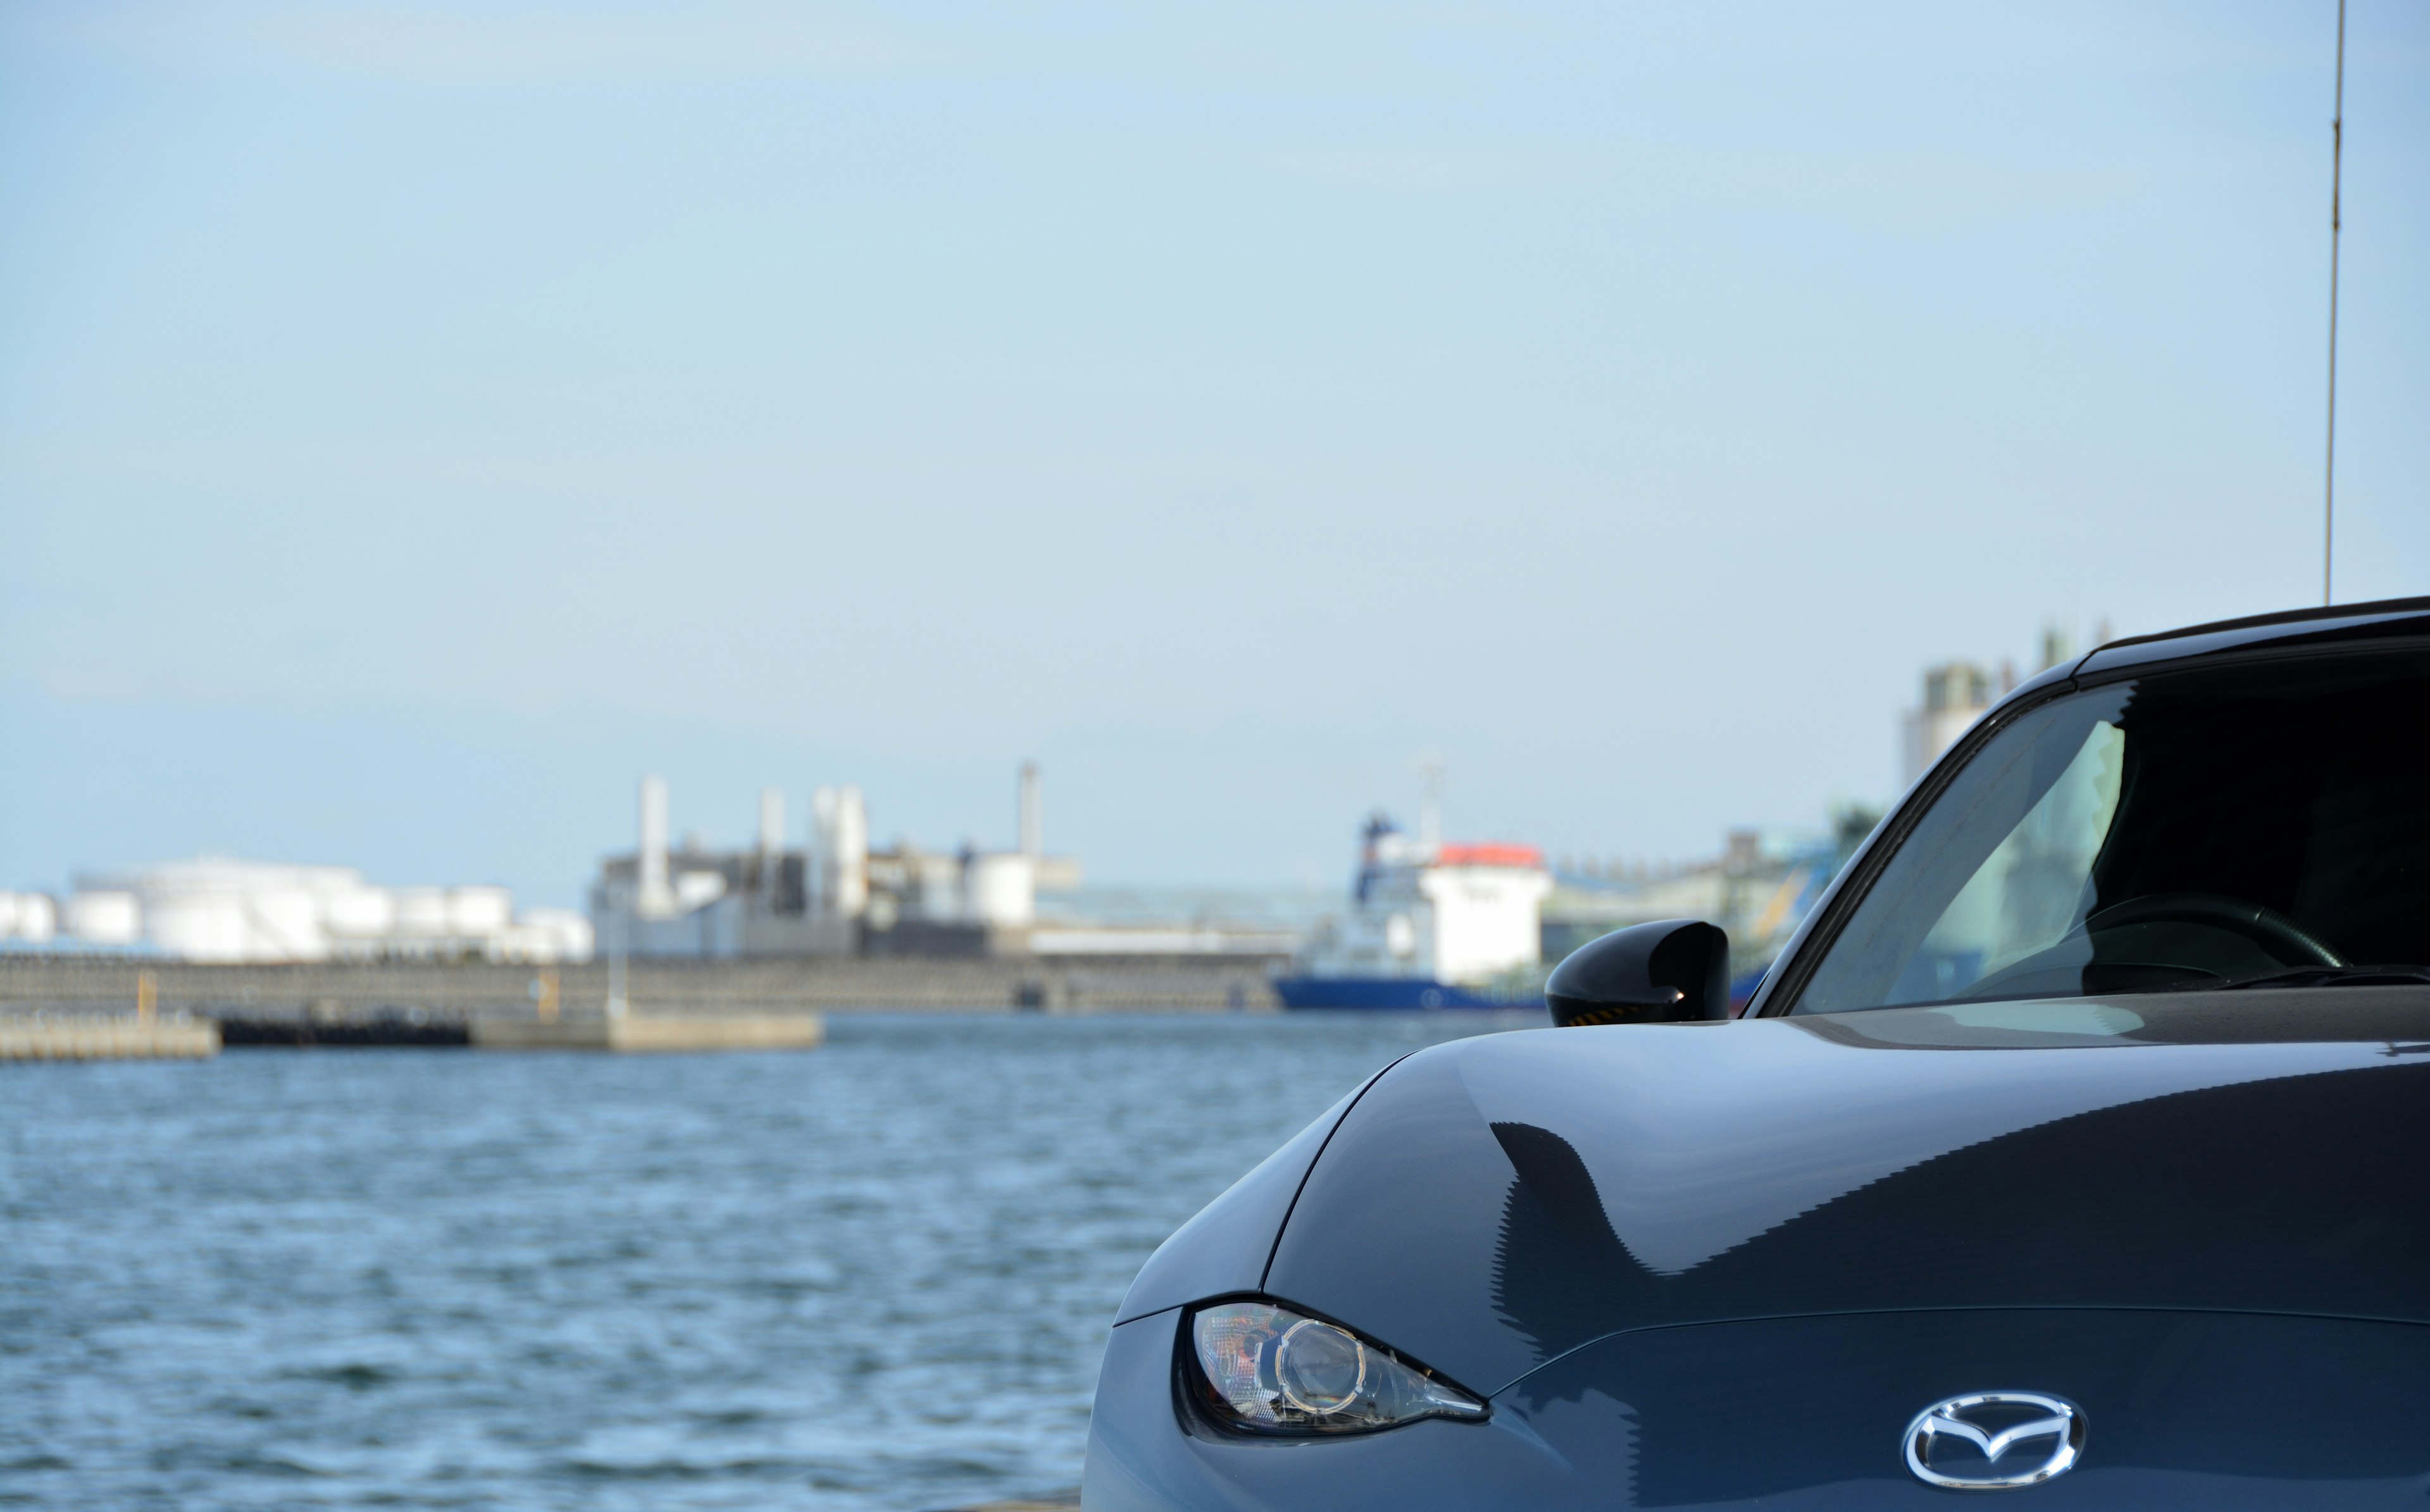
pixel 1430 926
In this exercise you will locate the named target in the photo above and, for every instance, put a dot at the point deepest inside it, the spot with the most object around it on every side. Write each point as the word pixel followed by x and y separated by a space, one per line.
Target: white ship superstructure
pixel 1436 923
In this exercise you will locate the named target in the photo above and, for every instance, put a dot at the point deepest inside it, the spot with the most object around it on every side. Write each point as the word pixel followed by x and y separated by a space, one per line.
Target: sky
pixel 418 421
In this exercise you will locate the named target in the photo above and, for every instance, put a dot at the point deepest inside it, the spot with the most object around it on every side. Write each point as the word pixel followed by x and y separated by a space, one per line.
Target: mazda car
pixel 2076 1149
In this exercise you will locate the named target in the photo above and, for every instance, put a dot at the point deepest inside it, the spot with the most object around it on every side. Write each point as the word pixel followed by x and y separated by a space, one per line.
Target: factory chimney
pixel 655 899
pixel 841 824
pixel 772 845
pixel 1033 813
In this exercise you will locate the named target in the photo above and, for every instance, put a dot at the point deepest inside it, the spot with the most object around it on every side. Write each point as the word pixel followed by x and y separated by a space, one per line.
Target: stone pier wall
pixel 478 989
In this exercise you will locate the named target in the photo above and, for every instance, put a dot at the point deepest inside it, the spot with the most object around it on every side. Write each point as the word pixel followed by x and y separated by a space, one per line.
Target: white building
pixel 215 908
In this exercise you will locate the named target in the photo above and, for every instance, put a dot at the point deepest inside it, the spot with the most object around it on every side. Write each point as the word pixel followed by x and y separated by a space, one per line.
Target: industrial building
pixel 832 894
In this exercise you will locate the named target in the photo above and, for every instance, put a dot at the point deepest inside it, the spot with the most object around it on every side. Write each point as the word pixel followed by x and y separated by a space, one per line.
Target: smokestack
pixel 852 854
pixel 1033 813
pixel 771 822
pixel 656 900
pixel 772 845
pixel 815 880
pixel 840 825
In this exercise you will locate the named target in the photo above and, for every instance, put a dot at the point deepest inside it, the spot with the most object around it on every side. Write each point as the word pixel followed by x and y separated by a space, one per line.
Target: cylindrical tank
pixel 37 917
pixel 198 926
pixel 1000 888
pixel 359 912
pixel 479 910
pixel 569 935
pixel 286 925
pixel 106 917
pixel 421 911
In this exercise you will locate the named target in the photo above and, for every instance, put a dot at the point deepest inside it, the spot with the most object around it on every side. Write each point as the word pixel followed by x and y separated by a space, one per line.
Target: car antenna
pixel 2337 176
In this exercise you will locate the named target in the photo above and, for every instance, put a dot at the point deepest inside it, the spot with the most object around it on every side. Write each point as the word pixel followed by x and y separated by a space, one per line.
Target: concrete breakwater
pixel 107 1036
pixel 336 994
pixel 660 1032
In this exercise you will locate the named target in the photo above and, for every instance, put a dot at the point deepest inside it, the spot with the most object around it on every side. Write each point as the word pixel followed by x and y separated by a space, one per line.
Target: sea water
pixel 874 1275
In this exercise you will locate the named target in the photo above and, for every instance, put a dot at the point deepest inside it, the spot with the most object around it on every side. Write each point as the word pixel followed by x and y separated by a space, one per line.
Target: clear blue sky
pixel 418 420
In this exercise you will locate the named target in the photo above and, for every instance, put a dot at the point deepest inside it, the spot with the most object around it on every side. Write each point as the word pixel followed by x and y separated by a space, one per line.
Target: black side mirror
pixel 1664 972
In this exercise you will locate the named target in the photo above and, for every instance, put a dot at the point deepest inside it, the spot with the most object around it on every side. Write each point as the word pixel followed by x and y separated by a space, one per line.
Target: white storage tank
pixel 421 911
pixel 29 916
pixel 567 934
pixel 37 917
pixel 106 917
pixel 200 926
pixel 1000 888
pixel 359 911
pixel 479 910
pixel 287 925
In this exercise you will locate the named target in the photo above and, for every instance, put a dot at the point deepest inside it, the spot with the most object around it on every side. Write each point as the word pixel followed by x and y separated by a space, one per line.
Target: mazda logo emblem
pixel 1994 1440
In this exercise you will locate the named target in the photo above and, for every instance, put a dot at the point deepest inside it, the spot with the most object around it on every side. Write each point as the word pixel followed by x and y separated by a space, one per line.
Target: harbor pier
pixel 431 1003
pixel 105 1036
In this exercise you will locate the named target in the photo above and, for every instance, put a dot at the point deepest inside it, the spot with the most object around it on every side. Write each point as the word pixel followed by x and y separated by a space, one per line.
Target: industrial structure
pixel 1957 693
pixel 832 894
pixel 1482 918
pixel 216 909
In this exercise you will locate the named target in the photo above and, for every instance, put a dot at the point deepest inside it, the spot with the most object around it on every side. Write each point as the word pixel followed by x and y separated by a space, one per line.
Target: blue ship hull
pixel 1388 992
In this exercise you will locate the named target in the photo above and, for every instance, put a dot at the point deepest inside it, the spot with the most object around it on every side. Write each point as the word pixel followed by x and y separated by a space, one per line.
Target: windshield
pixel 2194 829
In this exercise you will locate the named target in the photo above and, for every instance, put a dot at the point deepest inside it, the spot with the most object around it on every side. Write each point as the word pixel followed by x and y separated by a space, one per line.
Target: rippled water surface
pixel 874 1275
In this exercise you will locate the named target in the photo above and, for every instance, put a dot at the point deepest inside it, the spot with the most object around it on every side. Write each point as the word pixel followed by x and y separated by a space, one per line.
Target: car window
pixel 2031 892
pixel 2188 830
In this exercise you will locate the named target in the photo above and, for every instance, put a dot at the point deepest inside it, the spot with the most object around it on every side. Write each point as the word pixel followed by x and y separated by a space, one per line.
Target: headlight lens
pixel 1270 1369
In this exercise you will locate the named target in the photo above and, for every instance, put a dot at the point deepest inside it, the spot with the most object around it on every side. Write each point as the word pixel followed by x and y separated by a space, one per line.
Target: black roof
pixel 2387 618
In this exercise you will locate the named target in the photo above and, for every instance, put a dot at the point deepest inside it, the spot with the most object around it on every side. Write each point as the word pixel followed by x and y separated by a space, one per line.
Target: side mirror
pixel 1669 972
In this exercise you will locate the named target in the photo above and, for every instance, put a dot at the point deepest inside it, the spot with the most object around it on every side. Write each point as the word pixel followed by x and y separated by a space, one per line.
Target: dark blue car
pixel 2078 1148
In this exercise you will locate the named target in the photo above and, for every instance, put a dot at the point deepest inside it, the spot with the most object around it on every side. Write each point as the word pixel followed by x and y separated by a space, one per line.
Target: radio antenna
pixel 2337 185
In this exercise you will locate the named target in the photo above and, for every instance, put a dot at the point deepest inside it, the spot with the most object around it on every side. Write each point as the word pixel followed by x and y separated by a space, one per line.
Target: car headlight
pixel 1268 1370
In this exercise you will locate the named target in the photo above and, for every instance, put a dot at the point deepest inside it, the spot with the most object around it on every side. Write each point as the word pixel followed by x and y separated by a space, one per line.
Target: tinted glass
pixel 2185 830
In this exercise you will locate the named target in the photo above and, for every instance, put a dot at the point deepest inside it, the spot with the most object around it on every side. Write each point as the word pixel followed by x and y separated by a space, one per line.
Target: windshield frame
pixel 1785 984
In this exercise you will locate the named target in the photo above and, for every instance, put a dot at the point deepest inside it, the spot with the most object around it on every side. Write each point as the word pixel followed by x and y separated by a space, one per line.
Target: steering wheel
pixel 2282 936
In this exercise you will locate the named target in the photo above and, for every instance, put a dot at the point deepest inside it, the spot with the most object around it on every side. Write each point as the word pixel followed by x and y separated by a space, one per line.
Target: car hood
pixel 1489 1204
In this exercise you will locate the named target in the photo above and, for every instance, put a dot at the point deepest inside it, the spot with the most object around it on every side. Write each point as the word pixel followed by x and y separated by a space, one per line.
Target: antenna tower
pixel 2336 187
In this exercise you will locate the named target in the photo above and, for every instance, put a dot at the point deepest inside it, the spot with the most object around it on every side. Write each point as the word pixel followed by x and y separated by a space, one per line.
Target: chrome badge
pixel 1994 1440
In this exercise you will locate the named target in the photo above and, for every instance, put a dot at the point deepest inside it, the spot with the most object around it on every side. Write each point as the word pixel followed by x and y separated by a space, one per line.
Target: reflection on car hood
pixel 1493 1202
pixel 1723 1136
